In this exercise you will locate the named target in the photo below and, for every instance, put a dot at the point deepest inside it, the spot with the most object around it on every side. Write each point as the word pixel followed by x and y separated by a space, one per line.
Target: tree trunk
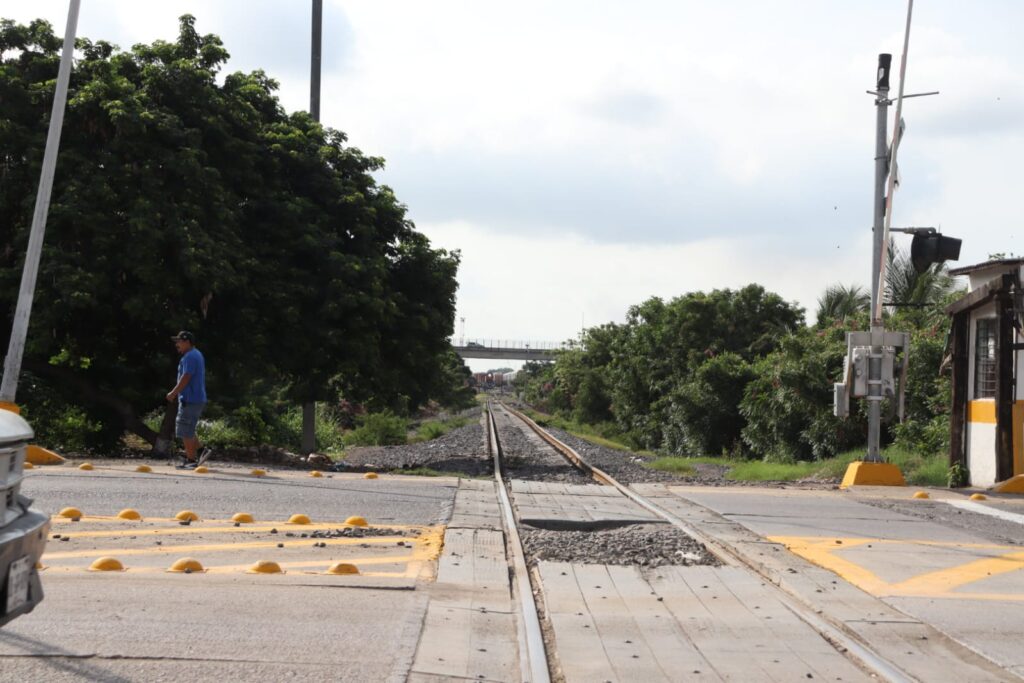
pixel 164 444
pixel 132 422
pixel 308 428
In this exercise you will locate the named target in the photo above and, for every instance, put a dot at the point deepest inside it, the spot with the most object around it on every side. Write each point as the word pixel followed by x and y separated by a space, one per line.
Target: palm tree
pixel 840 302
pixel 904 285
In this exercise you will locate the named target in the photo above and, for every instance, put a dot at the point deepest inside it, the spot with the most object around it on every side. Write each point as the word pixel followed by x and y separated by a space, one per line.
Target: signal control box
pixel 888 354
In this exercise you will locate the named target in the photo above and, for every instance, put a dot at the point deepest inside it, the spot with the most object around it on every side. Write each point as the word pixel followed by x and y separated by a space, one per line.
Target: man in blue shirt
pixel 191 394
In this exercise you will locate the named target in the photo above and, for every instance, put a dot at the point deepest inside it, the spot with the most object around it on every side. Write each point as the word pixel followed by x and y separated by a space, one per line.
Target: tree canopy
pixel 185 199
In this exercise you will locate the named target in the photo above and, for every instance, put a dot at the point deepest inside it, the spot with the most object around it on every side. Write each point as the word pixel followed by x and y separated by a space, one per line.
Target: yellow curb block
pixel 356 521
pixel 316 474
pixel 340 568
pixel 862 473
pixel 370 475
pixel 299 519
pixel 106 564
pixel 242 518
pixel 1011 485
pixel 186 565
pixel 143 468
pixel 979 496
pixel 129 513
pixel 70 513
pixel 86 466
pixel 37 455
pixel 258 473
pixel 921 494
pixel 186 516
pixel 202 469
pixel 28 465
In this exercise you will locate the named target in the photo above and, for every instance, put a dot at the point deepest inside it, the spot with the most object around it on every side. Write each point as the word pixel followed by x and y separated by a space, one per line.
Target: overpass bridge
pixel 500 349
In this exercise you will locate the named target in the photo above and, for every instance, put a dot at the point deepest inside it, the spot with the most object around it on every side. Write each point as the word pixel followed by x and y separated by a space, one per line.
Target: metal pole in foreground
pixel 309 408
pixel 19 329
pixel 875 397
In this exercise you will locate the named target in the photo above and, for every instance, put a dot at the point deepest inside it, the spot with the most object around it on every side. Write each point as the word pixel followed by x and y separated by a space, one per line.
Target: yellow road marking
pixel 939 584
pixel 245 528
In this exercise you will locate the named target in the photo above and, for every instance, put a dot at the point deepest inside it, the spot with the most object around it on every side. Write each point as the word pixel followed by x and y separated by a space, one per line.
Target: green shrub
pixel 704 415
pixel 64 428
pixel 378 429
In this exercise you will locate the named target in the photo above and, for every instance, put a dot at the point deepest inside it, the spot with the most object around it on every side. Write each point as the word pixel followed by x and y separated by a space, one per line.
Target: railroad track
pixel 533 653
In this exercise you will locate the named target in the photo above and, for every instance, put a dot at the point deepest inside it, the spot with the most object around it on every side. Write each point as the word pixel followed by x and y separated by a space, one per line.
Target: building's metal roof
pixel 1006 262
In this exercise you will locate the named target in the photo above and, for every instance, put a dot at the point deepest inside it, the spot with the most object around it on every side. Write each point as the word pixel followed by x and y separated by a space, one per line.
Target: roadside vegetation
pixel 197 202
pixel 739 379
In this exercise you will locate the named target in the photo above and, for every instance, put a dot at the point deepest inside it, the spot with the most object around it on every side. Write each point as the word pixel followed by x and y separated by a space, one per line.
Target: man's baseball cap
pixel 184 336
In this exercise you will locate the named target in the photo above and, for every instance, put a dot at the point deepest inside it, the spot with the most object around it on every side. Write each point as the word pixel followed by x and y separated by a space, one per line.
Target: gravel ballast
pixel 460 451
pixel 526 456
pixel 642 545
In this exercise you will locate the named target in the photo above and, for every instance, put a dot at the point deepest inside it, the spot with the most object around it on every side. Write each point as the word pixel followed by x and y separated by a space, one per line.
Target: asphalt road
pixel 221 623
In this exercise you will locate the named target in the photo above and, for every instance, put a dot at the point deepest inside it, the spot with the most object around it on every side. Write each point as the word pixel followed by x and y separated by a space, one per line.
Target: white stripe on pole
pixel 877 313
pixel 19 329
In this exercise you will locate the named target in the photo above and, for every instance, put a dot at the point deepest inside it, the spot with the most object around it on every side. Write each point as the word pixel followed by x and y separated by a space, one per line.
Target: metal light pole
pixel 875 396
pixel 309 408
pixel 19 329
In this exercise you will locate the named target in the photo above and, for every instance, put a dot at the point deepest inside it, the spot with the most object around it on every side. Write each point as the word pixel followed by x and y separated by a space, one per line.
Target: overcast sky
pixel 586 155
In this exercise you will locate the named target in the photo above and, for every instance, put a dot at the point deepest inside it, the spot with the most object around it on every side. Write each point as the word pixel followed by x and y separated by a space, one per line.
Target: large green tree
pixel 187 200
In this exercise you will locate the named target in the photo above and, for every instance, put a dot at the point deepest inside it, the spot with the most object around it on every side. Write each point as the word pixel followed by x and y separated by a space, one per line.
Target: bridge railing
pixel 509 344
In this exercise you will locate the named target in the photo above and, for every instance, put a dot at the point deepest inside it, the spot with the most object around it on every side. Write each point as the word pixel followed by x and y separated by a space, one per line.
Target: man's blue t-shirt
pixel 193 363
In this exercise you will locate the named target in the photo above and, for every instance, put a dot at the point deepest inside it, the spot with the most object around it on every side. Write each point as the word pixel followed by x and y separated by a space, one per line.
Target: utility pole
pixel 875 396
pixel 309 408
pixel 19 329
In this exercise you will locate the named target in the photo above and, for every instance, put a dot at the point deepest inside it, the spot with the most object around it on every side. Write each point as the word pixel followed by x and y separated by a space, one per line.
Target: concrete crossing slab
pixel 550 505
pixel 901 583
pixel 617 623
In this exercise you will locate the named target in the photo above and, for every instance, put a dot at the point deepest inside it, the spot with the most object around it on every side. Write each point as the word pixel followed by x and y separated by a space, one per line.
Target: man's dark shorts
pixel 188 418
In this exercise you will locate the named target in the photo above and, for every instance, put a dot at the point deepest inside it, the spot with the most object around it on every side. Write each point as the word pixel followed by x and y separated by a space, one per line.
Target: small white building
pixel 987 419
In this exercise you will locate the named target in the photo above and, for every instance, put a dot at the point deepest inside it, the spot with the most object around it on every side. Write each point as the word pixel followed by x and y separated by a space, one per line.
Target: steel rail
pixel 834 633
pixel 532 653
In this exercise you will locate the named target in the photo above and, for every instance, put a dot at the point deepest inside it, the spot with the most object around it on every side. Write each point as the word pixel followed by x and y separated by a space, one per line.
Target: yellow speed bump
pixel 29 466
pixel 370 475
pixel 265 567
pixel 86 466
pixel 316 474
pixel 356 521
pixel 258 473
pixel 299 519
pixel 979 496
pixel 129 513
pixel 186 516
pixel 37 455
pixel 143 468
pixel 186 565
pixel 202 469
pixel 242 518
pixel 339 568
pixel 107 564
pixel 921 494
pixel 70 513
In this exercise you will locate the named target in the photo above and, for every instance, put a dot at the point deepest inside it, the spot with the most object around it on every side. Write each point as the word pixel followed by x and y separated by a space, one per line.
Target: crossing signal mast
pixel 877 360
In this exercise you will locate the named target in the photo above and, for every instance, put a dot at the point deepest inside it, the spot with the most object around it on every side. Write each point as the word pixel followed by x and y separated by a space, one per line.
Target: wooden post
pixel 1004 386
pixel 958 412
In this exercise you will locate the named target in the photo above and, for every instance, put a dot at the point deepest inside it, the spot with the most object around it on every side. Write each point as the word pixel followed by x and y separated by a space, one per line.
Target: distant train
pixel 488 380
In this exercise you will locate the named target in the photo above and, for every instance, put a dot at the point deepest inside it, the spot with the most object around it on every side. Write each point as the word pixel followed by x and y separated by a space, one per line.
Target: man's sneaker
pixel 185 464
pixel 204 456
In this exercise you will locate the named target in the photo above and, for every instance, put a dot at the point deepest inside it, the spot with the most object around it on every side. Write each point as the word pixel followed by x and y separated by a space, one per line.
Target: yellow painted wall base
pixel 1011 485
pixel 862 473
pixel 37 455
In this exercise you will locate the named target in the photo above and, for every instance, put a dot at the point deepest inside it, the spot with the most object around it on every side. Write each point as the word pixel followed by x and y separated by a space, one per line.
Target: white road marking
pixel 986 510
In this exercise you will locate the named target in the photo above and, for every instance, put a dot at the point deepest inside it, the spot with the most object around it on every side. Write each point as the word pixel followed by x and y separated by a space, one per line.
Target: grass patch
pixel 672 464
pixel 433 429
pixel 428 472
pixel 599 435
